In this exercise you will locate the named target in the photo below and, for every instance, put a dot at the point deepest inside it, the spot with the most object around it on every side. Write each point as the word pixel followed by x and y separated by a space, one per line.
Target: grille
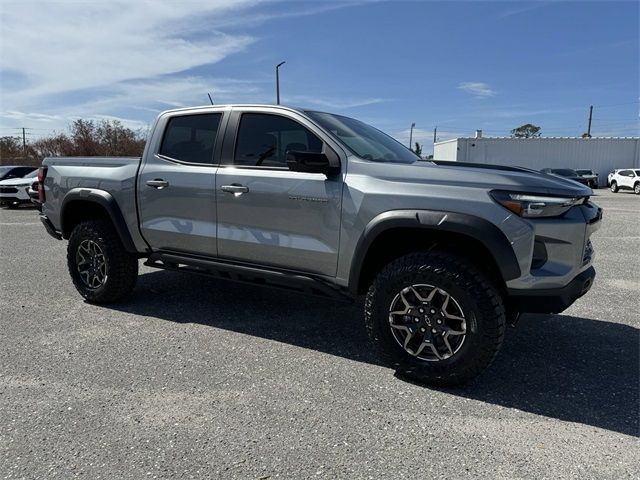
pixel 8 190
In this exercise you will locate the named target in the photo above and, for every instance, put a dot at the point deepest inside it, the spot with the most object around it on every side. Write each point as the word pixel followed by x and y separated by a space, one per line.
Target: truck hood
pixel 489 177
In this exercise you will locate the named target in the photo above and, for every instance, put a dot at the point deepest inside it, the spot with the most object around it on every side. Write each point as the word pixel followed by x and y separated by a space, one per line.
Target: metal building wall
pixel 598 154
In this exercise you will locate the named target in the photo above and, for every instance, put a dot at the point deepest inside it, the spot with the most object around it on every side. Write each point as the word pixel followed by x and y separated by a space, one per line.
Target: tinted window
pixel 364 140
pixel 263 140
pixel 191 138
pixel 625 173
pixel 565 172
pixel 22 171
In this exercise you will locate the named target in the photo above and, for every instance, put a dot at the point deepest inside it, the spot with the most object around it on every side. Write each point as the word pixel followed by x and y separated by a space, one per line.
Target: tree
pixel 418 149
pixel 10 148
pixel 85 138
pixel 527 130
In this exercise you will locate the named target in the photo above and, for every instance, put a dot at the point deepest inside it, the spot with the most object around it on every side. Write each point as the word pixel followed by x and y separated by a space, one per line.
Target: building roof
pixel 535 139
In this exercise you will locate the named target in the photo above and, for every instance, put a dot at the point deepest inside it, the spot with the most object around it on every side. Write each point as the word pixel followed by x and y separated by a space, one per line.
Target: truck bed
pixel 116 175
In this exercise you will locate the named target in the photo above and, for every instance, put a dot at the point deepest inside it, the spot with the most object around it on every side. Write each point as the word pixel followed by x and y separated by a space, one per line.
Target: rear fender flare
pixel 106 201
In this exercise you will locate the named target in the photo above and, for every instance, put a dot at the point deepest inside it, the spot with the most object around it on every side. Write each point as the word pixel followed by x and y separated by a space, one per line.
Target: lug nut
pixel 416 319
pixel 423 330
pixel 433 330
pixel 421 310
pixel 438 321
pixel 432 311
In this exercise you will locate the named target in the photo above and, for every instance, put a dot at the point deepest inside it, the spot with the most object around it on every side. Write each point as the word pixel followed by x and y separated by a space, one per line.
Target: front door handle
pixel 157 183
pixel 235 188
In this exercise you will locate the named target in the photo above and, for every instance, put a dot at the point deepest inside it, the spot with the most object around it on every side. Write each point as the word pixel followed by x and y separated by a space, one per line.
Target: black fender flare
pixel 478 228
pixel 106 201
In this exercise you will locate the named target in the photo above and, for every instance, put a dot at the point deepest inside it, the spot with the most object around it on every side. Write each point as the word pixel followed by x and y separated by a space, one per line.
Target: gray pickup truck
pixel 446 253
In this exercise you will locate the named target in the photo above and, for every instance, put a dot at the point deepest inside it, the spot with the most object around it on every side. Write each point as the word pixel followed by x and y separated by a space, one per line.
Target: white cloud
pixel 69 46
pixel 477 89
pixel 62 60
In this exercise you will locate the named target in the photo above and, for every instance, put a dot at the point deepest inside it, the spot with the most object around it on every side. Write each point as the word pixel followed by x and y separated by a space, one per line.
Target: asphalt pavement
pixel 200 378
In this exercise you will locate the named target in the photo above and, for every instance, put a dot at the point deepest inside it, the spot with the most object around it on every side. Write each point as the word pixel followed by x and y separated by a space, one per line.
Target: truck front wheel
pixel 100 267
pixel 435 318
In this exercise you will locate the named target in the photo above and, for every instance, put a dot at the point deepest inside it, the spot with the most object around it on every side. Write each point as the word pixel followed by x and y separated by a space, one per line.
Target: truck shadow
pixel 569 368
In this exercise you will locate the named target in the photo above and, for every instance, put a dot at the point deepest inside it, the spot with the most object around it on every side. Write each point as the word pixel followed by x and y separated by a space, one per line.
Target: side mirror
pixel 311 162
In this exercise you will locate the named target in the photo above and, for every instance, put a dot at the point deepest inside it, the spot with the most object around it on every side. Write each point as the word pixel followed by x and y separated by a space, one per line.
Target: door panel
pixel 285 219
pixel 181 216
pixel 176 184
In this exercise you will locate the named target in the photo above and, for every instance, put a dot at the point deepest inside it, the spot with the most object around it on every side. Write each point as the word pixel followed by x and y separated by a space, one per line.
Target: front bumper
pixel 552 300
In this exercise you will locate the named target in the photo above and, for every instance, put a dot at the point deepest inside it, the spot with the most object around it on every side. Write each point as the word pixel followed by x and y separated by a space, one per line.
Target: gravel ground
pixel 198 378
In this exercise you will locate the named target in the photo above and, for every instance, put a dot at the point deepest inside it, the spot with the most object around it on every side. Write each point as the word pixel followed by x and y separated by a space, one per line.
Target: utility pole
pixel 24 143
pixel 590 117
pixel 278 82
pixel 435 130
pixel 411 136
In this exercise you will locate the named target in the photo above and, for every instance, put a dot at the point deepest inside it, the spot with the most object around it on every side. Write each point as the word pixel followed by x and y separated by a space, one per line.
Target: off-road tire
pixel 478 297
pixel 121 266
pixel 614 187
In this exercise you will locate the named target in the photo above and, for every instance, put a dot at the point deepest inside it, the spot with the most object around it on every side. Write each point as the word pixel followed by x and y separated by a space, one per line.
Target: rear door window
pixel 191 138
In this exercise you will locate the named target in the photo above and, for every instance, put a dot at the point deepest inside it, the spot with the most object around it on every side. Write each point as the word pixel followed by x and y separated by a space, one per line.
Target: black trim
pixel 105 200
pixel 552 300
pixel 479 229
pixel 51 230
pixel 247 273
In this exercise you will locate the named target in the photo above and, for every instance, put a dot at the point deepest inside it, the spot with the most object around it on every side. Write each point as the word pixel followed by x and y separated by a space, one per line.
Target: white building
pixel 598 154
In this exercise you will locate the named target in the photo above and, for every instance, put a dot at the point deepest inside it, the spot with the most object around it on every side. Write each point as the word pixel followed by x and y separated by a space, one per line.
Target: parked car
pixel 13 191
pixel 13 171
pixel 567 173
pixel 626 180
pixel 34 196
pixel 610 176
pixel 320 203
pixel 590 176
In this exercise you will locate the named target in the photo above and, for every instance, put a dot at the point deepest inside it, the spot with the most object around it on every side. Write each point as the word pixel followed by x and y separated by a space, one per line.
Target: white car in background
pixel 628 179
pixel 13 191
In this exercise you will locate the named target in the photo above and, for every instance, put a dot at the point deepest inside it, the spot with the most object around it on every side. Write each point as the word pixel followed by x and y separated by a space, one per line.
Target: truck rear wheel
pixel 435 318
pixel 100 267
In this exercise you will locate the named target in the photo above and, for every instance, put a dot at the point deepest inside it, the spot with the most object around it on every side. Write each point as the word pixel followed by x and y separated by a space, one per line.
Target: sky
pixel 458 66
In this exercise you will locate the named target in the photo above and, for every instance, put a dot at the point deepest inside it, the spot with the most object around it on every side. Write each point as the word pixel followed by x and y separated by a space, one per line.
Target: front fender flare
pixel 478 228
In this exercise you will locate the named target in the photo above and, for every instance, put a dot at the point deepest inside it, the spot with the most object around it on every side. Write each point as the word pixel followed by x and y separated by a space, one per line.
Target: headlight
pixel 532 205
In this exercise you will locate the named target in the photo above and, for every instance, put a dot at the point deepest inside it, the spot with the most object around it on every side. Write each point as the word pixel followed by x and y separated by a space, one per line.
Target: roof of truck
pixel 231 105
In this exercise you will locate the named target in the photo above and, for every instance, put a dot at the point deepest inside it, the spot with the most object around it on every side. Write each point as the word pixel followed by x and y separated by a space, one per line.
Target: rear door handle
pixel 157 183
pixel 235 188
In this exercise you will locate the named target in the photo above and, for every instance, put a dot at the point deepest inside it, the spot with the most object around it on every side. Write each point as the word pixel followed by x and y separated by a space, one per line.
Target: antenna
pixel 210 99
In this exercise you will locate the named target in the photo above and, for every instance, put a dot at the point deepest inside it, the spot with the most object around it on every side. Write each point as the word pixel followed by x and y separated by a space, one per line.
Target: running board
pixel 283 279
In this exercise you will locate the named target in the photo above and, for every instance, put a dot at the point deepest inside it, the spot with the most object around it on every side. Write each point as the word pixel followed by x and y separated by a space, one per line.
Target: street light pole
pixel 278 82
pixel 411 136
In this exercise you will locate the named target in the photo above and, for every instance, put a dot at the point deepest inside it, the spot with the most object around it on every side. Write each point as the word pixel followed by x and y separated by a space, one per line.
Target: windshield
pixel 637 173
pixel 4 170
pixel 584 172
pixel 32 174
pixel 364 140
pixel 565 172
